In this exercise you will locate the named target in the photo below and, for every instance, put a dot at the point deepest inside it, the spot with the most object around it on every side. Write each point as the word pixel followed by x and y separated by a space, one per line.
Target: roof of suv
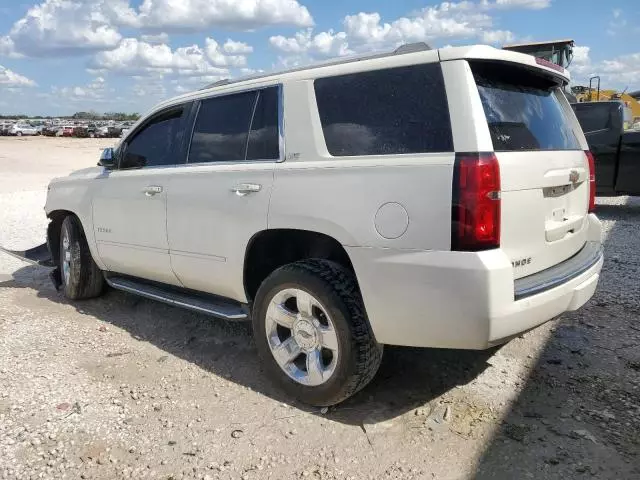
pixel 402 56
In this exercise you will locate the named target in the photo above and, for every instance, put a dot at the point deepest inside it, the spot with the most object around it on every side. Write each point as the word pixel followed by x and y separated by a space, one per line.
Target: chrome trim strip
pixel 133 246
pixel 182 253
pixel 176 303
pixel 582 261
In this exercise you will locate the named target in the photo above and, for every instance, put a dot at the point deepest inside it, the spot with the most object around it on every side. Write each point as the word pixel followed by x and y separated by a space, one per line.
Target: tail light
pixel 592 181
pixel 475 216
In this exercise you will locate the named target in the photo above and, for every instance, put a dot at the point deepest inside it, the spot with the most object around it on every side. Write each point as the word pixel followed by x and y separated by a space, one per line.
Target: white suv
pixel 20 129
pixel 430 198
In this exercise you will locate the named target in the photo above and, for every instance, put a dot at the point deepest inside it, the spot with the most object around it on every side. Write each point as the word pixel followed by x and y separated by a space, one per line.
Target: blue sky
pixel 61 56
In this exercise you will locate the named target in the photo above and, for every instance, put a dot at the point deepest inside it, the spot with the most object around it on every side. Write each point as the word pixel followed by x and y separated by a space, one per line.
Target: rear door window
pixel 237 127
pixel 522 109
pixel 593 117
pixel 385 112
pixel 222 128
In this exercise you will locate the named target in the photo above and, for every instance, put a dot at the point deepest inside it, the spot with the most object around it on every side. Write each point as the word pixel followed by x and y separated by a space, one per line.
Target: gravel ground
pixel 121 387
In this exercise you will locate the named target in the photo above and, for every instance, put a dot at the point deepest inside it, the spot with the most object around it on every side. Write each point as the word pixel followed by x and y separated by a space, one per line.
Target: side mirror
pixel 107 158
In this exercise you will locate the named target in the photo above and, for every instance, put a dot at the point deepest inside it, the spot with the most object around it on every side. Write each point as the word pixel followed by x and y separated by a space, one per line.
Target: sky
pixel 58 57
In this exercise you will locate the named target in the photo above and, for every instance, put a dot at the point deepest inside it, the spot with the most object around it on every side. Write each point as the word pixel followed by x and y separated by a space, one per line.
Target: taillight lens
pixel 592 181
pixel 475 216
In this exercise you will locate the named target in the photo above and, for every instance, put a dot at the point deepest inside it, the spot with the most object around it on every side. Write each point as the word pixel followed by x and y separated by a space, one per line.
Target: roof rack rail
pixel 219 83
pixel 401 50
pixel 411 48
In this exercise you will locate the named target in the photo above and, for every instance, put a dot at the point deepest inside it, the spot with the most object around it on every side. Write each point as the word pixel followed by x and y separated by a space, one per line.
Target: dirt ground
pixel 122 387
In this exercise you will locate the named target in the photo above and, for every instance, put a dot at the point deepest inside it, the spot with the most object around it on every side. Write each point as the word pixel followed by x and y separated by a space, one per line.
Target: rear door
pixel 544 171
pixel 629 164
pixel 220 198
pixel 601 123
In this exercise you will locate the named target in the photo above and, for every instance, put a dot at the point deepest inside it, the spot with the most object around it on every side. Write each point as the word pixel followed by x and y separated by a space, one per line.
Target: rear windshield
pixel 522 109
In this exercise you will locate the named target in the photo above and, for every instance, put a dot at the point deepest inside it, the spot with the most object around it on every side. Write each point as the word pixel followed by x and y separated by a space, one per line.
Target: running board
pixel 39 255
pixel 198 302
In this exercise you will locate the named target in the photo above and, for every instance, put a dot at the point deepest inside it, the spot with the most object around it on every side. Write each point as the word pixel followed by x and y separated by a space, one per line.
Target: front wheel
pixel 81 277
pixel 312 334
pixel 19 134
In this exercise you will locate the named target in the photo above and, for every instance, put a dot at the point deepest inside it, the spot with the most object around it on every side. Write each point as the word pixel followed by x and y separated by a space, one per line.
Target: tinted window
pixel 522 110
pixel 155 144
pixel 383 112
pixel 221 129
pixel 593 117
pixel 263 137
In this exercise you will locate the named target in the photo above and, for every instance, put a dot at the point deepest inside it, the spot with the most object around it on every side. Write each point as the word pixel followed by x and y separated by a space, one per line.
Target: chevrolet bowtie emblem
pixel 574 176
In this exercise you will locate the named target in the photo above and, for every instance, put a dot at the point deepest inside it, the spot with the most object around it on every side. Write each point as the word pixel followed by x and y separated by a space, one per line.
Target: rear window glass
pixel 593 117
pixel 385 112
pixel 522 109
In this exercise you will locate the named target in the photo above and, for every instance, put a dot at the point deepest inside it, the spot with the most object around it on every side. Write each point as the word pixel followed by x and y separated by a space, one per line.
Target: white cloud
pixel 149 88
pixel 367 31
pixel 94 92
pixel 617 73
pixel 7 48
pixel 500 37
pixel 218 56
pixel 236 48
pixel 529 4
pixel 135 57
pixel 197 15
pixel 581 55
pixel 67 27
pixel 10 79
pixel 617 23
pixel 326 44
pixel 155 38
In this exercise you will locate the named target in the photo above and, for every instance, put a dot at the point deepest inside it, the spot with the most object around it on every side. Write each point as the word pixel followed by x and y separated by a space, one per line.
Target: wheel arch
pixel 56 217
pixel 290 245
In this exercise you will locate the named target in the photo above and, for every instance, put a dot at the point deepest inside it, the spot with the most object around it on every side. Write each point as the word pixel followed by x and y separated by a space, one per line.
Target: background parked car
pixel 5 128
pixel 67 131
pixel 20 129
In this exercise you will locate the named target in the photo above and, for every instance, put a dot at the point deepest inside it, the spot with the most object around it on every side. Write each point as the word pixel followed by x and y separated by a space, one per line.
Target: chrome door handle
pixel 152 190
pixel 246 188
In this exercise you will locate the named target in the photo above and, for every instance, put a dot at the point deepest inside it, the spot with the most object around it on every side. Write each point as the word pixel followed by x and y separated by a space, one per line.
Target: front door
pixel 130 202
pixel 220 199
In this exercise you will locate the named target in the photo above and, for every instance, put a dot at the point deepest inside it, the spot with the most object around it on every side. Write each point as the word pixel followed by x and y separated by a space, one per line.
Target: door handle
pixel 246 188
pixel 152 190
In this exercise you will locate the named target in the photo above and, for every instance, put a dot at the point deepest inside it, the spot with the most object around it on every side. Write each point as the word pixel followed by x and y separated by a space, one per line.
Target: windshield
pixel 522 109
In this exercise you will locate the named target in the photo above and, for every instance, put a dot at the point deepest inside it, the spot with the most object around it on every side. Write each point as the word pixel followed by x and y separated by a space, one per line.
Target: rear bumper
pixel 468 300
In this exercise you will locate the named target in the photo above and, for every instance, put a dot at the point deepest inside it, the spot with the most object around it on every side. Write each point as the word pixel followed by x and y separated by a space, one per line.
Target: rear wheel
pixel 81 277
pixel 312 334
pixel 19 134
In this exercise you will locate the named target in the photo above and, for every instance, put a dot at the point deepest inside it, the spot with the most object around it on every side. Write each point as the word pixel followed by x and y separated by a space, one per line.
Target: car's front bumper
pixel 39 255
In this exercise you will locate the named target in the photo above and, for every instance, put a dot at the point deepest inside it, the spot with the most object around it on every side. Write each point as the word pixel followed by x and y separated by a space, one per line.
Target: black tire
pixel 336 288
pixel 85 278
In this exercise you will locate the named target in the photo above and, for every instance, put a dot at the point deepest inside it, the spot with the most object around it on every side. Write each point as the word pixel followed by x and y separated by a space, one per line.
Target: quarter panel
pixel 341 198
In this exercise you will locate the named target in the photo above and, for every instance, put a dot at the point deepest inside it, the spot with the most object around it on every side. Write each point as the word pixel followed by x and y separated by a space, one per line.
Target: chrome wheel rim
pixel 302 337
pixel 66 257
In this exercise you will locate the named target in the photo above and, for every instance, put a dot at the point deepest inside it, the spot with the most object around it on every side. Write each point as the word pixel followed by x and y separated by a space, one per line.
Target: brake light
pixel 592 181
pixel 475 215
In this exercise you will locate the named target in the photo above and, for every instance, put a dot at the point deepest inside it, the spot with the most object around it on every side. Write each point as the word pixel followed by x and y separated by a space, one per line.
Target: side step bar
pixel 39 255
pixel 198 302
